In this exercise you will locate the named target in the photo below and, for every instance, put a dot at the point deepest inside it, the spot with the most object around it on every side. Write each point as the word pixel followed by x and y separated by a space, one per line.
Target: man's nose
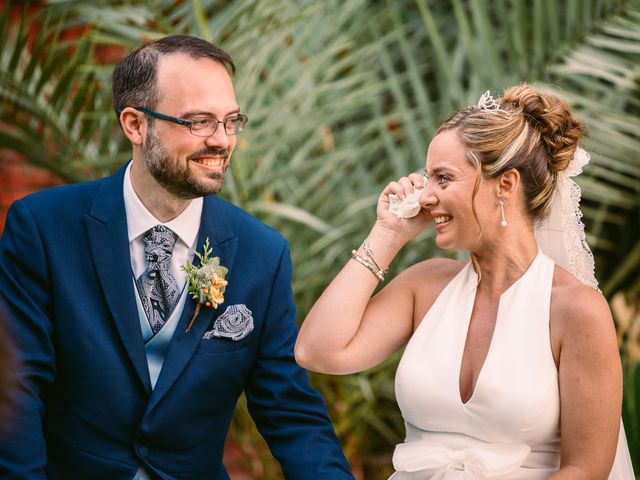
pixel 220 138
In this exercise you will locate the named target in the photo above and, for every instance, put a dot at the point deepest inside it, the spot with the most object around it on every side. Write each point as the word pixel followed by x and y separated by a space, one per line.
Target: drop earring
pixel 503 218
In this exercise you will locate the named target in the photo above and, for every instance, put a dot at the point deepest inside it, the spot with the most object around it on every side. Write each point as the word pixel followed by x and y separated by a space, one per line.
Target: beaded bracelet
pixel 373 265
pixel 371 268
pixel 367 250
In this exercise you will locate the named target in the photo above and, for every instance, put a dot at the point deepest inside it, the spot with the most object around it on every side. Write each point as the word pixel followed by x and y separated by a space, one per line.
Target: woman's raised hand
pixel 404 228
pixel 346 330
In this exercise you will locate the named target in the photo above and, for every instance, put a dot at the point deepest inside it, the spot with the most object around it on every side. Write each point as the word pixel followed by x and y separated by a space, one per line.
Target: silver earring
pixel 503 218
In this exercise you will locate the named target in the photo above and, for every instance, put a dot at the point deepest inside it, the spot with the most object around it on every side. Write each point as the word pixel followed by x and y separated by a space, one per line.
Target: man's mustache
pixel 210 152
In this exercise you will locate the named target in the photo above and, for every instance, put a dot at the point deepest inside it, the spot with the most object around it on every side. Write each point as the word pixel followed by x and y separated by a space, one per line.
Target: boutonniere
pixel 206 282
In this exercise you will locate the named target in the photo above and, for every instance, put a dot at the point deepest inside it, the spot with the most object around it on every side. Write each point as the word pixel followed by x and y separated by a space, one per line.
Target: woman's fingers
pixel 405 185
pixel 393 188
pixel 418 180
pixel 396 214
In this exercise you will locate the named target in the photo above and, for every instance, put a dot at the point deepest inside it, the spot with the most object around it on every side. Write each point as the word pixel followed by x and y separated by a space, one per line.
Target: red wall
pixel 18 178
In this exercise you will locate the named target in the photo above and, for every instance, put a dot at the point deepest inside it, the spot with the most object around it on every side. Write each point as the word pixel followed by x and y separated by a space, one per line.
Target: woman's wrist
pixel 383 244
pixel 387 238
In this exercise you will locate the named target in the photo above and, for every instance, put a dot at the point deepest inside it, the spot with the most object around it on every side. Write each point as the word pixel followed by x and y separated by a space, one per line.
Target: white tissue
pixel 407 208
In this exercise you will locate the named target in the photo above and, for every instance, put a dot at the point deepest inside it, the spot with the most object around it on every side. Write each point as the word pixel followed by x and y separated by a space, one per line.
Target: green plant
pixel 342 96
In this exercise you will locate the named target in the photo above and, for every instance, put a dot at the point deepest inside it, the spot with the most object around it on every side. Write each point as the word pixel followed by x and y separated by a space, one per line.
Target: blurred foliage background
pixel 342 97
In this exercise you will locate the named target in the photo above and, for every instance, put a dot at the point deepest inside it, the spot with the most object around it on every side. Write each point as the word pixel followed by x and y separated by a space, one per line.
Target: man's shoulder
pixel 56 212
pixel 64 196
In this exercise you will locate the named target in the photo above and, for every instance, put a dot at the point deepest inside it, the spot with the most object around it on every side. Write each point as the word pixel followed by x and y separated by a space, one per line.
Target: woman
pixel 511 367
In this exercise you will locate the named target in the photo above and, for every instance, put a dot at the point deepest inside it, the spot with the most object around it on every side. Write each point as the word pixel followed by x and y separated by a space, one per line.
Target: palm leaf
pixel 342 98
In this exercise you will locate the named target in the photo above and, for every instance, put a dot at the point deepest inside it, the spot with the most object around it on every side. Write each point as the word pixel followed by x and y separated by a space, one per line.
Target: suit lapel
pixel 215 226
pixel 108 238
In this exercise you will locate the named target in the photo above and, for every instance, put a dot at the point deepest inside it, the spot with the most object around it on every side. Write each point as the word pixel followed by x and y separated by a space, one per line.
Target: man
pixel 117 381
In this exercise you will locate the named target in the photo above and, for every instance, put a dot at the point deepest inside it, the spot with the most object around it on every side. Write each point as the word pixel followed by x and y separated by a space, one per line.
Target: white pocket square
pixel 235 323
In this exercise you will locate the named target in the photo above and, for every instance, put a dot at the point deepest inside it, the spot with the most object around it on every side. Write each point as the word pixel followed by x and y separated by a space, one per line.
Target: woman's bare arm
pixel 347 330
pixel 590 379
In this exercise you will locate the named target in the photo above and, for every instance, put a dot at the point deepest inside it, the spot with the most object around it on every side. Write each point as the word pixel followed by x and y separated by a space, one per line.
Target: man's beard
pixel 177 178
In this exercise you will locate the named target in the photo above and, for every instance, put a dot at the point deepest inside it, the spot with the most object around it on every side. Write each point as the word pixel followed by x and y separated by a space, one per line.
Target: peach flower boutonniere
pixel 206 282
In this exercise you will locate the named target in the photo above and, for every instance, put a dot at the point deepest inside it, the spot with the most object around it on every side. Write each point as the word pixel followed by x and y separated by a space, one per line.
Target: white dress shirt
pixel 139 220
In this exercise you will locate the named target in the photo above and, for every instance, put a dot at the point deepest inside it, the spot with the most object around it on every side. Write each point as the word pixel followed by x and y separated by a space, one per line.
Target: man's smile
pixel 211 162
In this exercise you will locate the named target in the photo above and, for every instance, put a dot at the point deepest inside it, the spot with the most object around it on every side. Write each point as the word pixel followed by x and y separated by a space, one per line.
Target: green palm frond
pixel 343 97
pixel 56 111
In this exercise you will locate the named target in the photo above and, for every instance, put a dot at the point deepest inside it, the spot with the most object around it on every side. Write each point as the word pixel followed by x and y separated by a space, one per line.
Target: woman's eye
pixel 443 179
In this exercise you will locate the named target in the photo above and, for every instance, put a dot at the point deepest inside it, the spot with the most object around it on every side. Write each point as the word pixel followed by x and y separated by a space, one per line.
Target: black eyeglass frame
pixel 189 123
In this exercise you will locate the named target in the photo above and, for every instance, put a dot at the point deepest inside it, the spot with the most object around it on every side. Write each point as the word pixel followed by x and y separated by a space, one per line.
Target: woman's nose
pixel 427 197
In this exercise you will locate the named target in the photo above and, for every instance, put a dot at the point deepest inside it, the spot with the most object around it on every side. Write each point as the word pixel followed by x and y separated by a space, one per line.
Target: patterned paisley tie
pixel 156 286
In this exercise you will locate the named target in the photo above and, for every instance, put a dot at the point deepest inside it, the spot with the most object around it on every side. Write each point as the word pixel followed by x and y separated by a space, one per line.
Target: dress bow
pixel 472 463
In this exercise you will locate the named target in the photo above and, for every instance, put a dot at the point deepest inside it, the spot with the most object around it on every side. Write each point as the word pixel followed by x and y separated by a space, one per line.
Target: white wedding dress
pixel 509 428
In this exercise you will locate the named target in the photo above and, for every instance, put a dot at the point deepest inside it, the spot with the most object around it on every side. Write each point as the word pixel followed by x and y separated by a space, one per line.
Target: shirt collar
pixel 139 219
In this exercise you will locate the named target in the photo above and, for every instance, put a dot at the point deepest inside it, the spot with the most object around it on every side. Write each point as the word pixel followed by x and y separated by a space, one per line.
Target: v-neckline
pixel 474 278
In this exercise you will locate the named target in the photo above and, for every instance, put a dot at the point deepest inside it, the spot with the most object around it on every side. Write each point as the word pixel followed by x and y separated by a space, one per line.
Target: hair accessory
pixel 487 103
pixel 503 218
pixel 561 234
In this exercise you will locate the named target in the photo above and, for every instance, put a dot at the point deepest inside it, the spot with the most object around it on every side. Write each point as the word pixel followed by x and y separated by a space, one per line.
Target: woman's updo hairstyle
pixel 531 131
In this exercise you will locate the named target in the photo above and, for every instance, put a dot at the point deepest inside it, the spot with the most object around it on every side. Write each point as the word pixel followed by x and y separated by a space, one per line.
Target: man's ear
pixel 508 184
pixel 133 125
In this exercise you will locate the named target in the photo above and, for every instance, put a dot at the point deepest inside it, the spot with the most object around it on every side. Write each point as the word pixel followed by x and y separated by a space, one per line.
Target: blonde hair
pixel 532 131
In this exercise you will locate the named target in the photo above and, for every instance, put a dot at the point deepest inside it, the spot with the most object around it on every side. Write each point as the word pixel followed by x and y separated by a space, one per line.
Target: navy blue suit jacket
pixel 85 407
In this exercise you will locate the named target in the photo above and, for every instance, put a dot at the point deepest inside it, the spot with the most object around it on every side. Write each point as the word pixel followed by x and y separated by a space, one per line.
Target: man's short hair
pixel 134 78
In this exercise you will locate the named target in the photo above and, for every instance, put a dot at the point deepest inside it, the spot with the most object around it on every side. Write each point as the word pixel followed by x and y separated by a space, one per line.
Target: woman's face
pixel 448 195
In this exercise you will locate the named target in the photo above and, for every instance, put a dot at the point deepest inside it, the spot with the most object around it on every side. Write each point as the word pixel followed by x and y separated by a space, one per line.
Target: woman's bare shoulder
pixel 576 307
pixel 433 270
pixel 426 280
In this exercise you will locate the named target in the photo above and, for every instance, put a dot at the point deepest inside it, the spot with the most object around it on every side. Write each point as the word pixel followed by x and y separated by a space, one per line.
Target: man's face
pixel 188 166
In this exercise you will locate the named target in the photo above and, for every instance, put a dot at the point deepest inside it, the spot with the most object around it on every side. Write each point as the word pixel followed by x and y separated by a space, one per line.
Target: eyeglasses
pixel 203 125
